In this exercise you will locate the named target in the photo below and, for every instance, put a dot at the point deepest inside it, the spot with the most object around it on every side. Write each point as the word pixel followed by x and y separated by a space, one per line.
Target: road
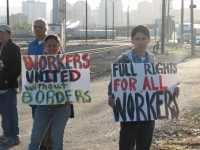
pixel 93 127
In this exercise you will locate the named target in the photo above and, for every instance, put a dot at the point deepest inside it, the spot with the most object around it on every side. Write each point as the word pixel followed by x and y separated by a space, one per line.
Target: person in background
pixel 58 114
pixel 36 47
pixel 10 69
pixel 138 132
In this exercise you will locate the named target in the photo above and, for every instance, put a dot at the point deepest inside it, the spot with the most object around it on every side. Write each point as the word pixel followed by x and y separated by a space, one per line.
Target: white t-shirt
pixel 143 58
pixel 39 42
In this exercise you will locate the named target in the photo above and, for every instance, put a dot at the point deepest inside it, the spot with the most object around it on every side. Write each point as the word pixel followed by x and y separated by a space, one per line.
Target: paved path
pixel 93 127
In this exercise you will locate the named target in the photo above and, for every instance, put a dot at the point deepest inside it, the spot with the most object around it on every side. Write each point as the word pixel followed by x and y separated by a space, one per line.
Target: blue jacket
pixel 35 49
pixel 128 58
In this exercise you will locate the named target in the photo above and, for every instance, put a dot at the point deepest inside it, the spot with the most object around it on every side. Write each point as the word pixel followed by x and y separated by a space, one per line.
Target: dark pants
pixel 46 143
pixel 139 132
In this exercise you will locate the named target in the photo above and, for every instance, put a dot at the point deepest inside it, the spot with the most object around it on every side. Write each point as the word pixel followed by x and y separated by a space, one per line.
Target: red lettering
pixel 36 63
pixel 51 62
pixel 153 86
pixel 124 84
pixel 132 82
pixel 161 85
pixel 116 84
pixel 68 60
pixel 77 60
pixel 74 75
pixel 59 62
pixel 43 62
pixel 87 61
pixel 28 62
pixel 146 84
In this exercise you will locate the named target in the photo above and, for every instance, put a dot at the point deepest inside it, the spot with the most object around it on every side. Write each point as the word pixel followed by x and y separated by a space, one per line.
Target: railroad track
pixel 97 50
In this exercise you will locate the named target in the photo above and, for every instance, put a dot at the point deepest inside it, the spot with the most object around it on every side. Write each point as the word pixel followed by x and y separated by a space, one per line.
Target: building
pixel 18 18
pixel 79 13
pixel 34 10
pixel 69 11
pixel 95 18
pixel 118 13
pixel 144 15
pixel 156 9
pixel 177 15
pixel 55 11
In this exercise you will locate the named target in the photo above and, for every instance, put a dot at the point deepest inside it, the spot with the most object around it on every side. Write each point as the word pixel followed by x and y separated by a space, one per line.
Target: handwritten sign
pixel 144 91
pixel 55 79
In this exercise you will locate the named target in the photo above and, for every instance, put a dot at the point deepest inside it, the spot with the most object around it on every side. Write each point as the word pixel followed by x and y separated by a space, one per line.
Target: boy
pixel 139 132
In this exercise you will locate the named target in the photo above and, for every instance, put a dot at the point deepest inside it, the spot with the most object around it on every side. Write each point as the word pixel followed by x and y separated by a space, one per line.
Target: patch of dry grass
pixel 182 135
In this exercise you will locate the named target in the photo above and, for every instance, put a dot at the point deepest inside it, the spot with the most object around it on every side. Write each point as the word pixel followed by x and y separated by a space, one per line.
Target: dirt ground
pixel 93 127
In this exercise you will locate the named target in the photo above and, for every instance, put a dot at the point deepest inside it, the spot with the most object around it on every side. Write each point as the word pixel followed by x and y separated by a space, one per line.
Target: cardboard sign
pixel 144 91
pixel 55 79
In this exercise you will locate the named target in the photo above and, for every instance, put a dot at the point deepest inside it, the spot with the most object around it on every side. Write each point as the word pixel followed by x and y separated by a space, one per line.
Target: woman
pixel 59 114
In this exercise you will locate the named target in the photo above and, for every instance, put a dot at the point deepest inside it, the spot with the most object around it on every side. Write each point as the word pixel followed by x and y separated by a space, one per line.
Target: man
pixel 10 58
pixel 139 132
pixel 36 47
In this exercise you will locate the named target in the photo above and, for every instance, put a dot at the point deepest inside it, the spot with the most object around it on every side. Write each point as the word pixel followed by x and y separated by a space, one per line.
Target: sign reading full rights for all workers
pixel 55 79
pixel 144 91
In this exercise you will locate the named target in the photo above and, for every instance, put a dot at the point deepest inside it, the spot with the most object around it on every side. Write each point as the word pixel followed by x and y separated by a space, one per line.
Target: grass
pixel 176 50
pixel 180 135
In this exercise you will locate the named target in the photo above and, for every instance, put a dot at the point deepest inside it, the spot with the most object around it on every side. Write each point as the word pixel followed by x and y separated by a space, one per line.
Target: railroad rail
pixel 93 51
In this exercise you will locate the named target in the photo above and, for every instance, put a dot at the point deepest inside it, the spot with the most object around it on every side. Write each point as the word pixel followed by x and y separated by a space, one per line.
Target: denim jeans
pixel 59 114
pixel 46 143
pixel 139 132
pixel 8 110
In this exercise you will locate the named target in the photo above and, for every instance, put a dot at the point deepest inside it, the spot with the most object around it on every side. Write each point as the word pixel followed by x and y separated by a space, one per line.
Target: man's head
pixel 40 27
pixel 140 37
pixel 6 33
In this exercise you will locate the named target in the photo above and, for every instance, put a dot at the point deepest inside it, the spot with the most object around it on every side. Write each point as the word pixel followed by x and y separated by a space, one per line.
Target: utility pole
pixel 192 26
pixel 168 20
pixel 8 12
pixel 106 20
pixel 83 23
pixel 128 20
pixel 113 18
pixel 163 28
pixel 182 20
pixel 86 22
pixel 64 22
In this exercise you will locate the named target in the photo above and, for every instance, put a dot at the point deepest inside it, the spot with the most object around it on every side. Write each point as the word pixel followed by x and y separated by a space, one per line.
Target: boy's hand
pixel 111 101
pixel 176 90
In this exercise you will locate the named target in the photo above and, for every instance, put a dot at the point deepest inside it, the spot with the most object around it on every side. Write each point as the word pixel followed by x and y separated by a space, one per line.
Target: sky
pixel 95 3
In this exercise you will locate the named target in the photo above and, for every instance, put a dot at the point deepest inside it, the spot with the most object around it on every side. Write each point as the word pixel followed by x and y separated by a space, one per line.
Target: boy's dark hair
pixel 140 28
pixel 52 36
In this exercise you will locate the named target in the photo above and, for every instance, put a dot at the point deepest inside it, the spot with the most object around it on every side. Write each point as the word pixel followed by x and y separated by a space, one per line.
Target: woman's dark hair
pixel 140 28
pixel 52 36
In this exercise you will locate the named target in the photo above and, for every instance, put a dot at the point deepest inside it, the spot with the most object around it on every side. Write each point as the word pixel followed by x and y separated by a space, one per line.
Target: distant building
pixel 79 13
pixel 118 13
pixel 177 15
pixel 55 12
pixel 156 9
pixel 34 10
pixel 69 11
pixel 95 18
pixel 18 18
pixel 144 15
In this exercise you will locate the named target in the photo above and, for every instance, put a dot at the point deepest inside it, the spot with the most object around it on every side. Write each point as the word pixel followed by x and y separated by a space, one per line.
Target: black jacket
pixel 11 58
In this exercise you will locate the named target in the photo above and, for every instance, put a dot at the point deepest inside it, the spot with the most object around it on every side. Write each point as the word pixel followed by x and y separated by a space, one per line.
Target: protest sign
pixel 55 79
pixel 144 91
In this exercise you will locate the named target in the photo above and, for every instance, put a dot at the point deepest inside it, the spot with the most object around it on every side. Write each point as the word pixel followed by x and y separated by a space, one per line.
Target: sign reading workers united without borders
pixel 55 79
pixel 144 91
